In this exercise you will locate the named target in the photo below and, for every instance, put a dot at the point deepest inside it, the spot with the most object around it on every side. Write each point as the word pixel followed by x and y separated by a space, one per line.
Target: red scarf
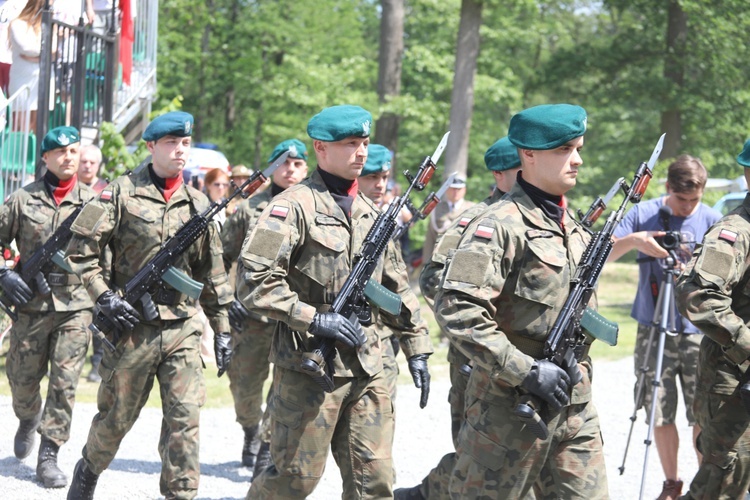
pixel 63 188
pixel 171 186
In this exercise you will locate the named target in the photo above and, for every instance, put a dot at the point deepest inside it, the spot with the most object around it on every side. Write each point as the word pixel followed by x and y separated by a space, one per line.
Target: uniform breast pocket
pixel 139 217
pixel 37 212
pixel 323 261
pixel 543 272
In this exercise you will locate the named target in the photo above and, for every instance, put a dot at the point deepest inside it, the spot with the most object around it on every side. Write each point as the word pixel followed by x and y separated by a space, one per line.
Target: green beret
pixel 176 123
pixel 502 156
pixel 378 160
pixel 339 122
pixel 744 157
pixel 295 147
pixel 60 137
pixel 548 126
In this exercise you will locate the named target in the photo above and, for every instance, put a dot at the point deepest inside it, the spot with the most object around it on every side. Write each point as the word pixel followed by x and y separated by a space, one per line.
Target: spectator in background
pixel 217 185
pixel 444 214
pixel 25 34
pixel 9 10
pixel 89 166
pixel 240 173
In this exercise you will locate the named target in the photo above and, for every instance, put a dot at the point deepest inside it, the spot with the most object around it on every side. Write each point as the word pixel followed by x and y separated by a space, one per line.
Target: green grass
pixel 615 295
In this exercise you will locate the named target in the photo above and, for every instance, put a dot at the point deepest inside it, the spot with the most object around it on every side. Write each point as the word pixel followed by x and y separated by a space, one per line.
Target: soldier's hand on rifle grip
pixel 570 365
pixel 118 311
pixel 421 376
pixel 549 382
pixel 15 287
pixel 223 351
pixel 238 315
pixel 330 325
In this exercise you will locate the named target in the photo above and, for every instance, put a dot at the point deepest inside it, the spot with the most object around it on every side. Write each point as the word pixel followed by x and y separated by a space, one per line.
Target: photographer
pixel 644 230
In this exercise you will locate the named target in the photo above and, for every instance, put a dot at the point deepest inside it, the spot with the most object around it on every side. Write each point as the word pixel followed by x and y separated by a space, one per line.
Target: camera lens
pixel 671 240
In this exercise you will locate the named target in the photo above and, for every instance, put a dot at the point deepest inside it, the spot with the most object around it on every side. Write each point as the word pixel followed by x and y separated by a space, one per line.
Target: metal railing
pixel 17 143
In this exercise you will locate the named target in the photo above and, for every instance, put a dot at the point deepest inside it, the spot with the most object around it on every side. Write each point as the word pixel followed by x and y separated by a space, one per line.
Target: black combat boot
pixel 251 445
pixel 24 440
pixel 47 470
pixel 84 483
pixel 263 461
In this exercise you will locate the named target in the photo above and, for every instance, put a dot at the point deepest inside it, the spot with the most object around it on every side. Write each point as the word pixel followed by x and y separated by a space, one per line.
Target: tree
pixel 389 70
pixel 462 96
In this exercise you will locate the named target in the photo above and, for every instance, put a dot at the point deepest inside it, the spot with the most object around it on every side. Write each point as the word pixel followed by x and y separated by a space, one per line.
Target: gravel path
pixel 422 437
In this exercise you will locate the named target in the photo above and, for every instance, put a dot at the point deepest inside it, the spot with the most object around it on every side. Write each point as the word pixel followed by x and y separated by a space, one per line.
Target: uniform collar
pixel 534 214
pixel 38 190
pixel 145 187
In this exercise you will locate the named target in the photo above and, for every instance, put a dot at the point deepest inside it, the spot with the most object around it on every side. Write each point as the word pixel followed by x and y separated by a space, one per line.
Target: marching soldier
pixel 134 216
pixel 502 160
pixel 50 333
pixel 296 260
pixel 503 288
pixel 252 334
pixel 712 293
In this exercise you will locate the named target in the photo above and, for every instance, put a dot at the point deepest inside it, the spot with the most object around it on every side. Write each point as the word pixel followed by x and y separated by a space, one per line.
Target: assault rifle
pixel 426 209
pixel 159 268
pixel 351 301
pixel 576 319
pixel 52 250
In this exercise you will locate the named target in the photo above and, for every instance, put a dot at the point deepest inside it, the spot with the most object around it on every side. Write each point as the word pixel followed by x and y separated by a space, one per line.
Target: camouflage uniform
pixel 714 294
pixel 498 300
pixel 440 219
pixel 435 485
pixel 50 330
pixel 249 367
pixel 296 259
pixel 132 218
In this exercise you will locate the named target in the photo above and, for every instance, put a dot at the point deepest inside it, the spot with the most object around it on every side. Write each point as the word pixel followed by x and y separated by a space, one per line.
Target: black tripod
pixel 663 322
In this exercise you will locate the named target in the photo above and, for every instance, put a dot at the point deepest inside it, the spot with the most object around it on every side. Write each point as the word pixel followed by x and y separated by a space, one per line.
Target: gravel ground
pixel 422 437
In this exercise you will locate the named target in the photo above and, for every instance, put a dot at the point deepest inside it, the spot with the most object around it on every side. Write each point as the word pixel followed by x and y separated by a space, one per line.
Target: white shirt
pixel 9 10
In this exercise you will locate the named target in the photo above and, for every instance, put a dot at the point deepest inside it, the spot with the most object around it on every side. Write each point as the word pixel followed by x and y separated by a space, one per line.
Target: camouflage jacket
pixel 30 217
pixel 233 234
pixel 503 289
pixel 239 223
pixel 714 294
pixel 132 218
pixel 432 271
pixel 297 258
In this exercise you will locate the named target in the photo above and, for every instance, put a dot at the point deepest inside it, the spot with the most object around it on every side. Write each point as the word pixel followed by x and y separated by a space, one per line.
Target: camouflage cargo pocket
pixel 480 446
pixel 323 261
pixel 540 278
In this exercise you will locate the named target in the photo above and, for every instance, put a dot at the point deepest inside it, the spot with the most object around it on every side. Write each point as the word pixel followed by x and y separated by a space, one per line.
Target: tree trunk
pixel 203 104
pixel 389 69
pixel 674 72
pixel 462 98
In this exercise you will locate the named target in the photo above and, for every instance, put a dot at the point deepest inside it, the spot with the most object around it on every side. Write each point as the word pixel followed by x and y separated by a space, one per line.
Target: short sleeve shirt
pixel 645 217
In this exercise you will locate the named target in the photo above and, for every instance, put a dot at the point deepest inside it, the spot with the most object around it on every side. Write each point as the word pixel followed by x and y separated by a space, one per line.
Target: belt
pixel 535 348
pixel 62 279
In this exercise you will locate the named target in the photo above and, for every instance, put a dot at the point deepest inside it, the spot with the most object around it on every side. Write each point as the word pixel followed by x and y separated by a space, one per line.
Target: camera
pixel 670 241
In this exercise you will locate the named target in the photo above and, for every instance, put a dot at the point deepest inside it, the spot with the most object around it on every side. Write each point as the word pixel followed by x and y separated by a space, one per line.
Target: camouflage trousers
pixel 355 421
pixel 435 485
pixel 249 369
pixel 724 442
pixel 170 352
pixel 390 367
pixel 680 361
pixel 57 341
pixel 498 457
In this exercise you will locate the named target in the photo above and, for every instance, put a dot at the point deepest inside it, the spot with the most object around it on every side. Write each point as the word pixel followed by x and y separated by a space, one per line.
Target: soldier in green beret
pixel 296 259
pixel 251 333
pixel 502 160
pixel 504 287
pixel 134 216
pixel 50 335
pixel 712 293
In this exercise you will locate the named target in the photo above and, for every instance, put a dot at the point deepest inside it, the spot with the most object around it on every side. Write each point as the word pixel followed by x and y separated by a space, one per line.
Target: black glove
pixel 334 326
pixel 15 287
pixel 570 365
pixel 421 376
pixel 223 351
pixel 238 315
pixel 549 382
pixel 118 311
